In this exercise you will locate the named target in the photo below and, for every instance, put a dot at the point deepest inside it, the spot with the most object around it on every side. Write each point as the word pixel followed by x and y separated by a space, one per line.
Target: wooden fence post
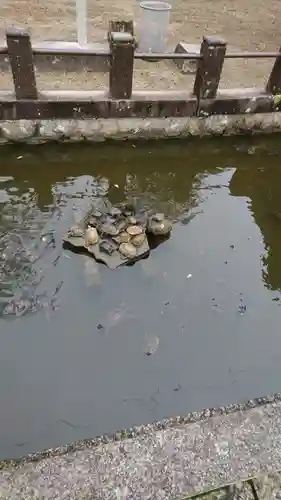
pixel 273 85
pixel 209 68
pixel 122 47
pixel 121 27
pixel 21 61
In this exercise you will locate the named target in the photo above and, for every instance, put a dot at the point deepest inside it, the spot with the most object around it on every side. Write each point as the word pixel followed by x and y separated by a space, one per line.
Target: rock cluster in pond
pixel 117 235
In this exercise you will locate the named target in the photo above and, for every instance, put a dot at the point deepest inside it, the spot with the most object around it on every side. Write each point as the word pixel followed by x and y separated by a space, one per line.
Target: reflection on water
pixel 85 350
pixel 262 187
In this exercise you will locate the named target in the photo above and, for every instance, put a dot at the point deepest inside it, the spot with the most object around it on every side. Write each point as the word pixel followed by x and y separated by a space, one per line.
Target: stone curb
pixel 97 130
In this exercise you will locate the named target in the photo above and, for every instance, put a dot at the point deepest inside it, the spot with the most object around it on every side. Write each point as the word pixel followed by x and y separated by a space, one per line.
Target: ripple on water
pixel 25 241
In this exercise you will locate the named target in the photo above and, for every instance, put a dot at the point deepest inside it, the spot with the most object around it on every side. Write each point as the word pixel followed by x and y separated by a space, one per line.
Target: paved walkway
pixel 168 460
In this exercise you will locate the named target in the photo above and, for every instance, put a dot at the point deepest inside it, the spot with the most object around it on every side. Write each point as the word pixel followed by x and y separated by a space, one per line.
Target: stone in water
pixel 138 240
pixel 91 236
pixel 134 230
pixel 128 250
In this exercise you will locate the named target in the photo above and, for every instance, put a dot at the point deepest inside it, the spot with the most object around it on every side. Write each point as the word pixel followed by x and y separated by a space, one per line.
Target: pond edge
pixel 180 457
pixel 133 432
pixel 99 130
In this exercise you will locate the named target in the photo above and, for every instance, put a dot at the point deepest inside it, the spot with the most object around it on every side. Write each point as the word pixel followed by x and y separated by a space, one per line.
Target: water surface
pixel 207 300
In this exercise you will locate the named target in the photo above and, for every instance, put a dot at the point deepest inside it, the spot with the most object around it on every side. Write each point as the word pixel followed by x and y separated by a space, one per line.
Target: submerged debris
pixel 28 301
pixel 242 309
pixel 91 273
pixel 152 344
pixel 114 318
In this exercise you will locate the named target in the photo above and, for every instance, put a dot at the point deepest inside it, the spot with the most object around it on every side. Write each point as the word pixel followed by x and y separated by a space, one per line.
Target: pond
pixel 206 302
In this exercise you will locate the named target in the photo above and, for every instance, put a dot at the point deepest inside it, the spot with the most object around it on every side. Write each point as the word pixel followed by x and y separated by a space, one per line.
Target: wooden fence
pixel 120 101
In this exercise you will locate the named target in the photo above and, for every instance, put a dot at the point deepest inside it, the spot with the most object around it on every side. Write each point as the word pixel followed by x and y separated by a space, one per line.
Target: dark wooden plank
pixel 274 82
pixel 53 109
pixel 142 105
pixel 234 103
pixel 11 109
pixel 121 65
pixel 21 61
pixel 153 108
pixel 209 68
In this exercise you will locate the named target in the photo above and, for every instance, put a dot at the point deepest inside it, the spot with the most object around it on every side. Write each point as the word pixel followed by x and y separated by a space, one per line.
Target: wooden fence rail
pixel 79 51
pixel 120 101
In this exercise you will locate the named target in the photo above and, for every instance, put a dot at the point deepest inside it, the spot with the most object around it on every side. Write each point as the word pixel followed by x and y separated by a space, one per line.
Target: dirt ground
pixel 244 24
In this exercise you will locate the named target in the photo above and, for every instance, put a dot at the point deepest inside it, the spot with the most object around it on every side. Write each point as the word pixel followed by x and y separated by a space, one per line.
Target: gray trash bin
pixel 154 24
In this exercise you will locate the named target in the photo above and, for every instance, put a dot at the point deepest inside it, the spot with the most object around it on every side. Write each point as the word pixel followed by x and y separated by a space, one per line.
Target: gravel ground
pixel 190 20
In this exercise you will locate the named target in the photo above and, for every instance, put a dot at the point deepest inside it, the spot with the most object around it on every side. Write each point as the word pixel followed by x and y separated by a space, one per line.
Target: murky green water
pixel 208 298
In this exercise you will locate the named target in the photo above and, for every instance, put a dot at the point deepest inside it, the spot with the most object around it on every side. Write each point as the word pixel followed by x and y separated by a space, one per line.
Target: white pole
pixel 81 21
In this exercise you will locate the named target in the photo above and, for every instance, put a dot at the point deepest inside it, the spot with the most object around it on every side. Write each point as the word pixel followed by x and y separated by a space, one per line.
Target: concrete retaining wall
pixel 36 132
